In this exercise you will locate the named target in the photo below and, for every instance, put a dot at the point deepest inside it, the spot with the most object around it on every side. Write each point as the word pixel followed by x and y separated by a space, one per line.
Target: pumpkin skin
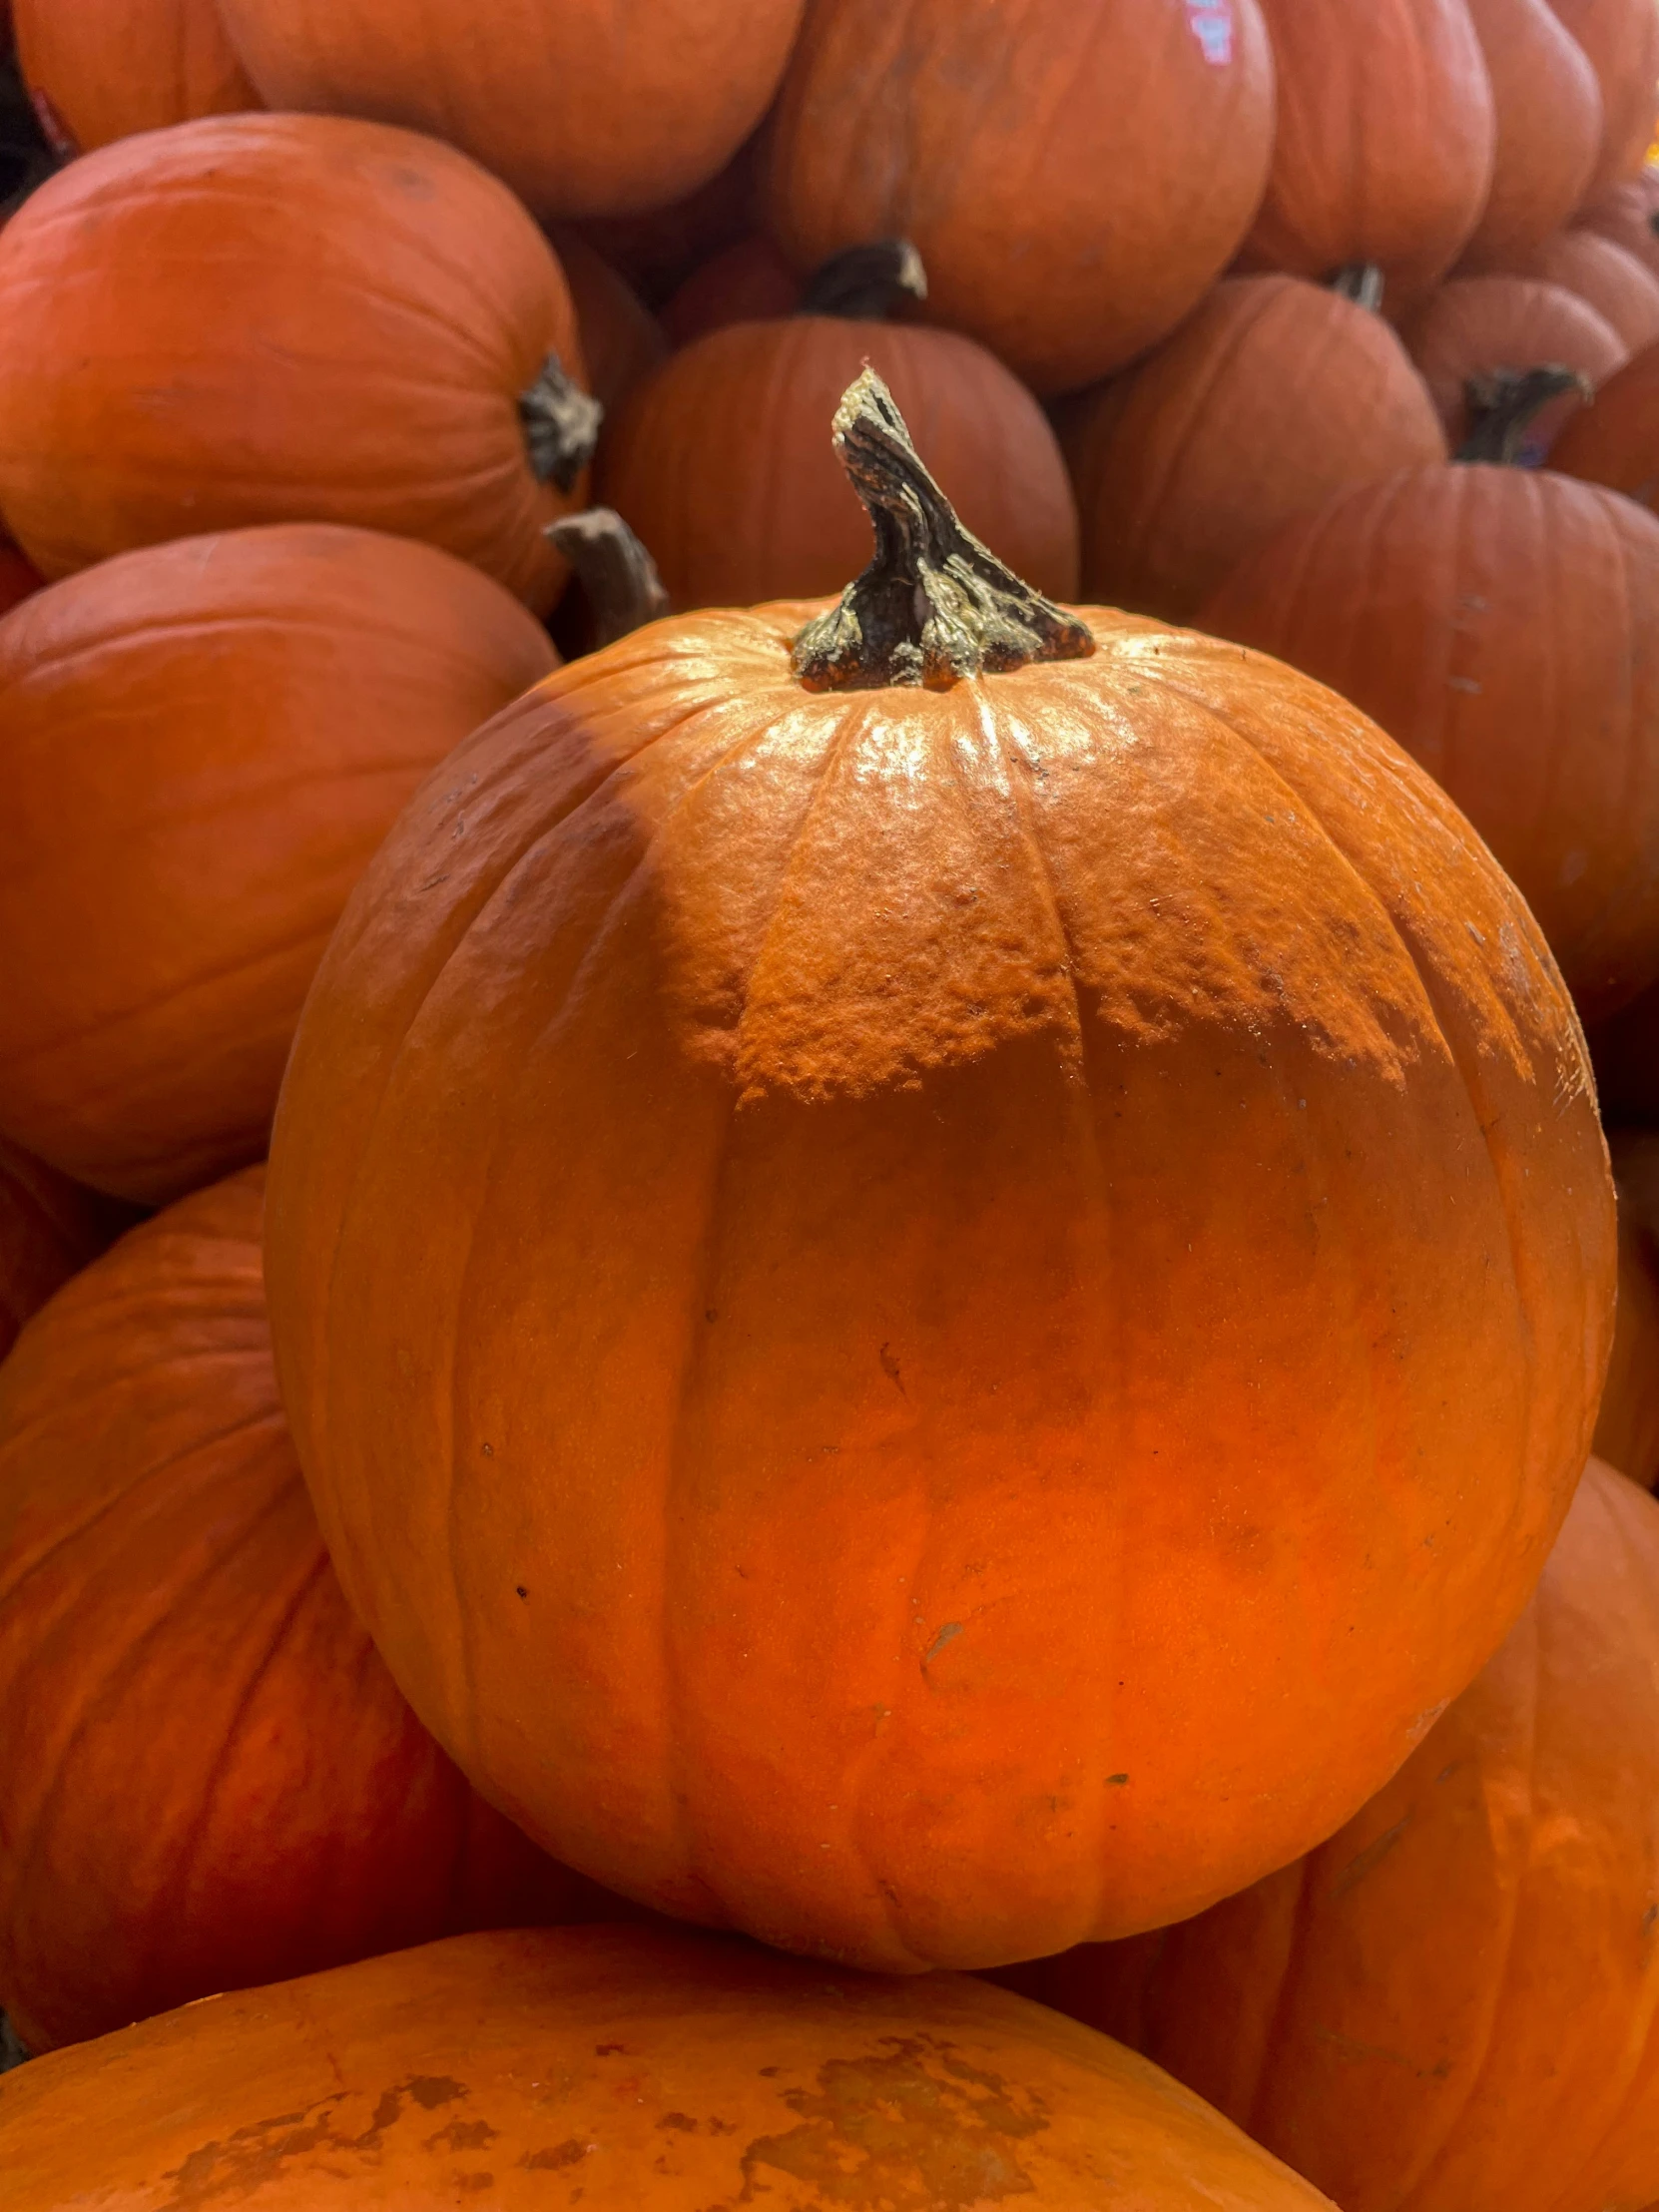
pixel 200 744
pixel 795 1069
pixel 749 282
pixel 695 460
pixel 895 121
pixel 1620 38
pixel 661 2070
pixel 1273 397
pixel 1475 326
pixel 1625 213
pixel 1511 643
pixel 587 109
pixel 1625 1052
pixel 19 578
pixel 211 1779
pixel 108 68
pixel 1617 442
pixel 49 1228
pixel 200 247
pixel 1627 1428
pixel 621 340
pixel 1614 282
pixel 1547 107
pixel 659 249
pixel 1385 144
pixel 1386 2014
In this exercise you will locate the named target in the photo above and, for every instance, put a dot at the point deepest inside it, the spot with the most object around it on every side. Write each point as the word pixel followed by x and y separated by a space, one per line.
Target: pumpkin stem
pixel 934 606
pixel 866 283
pixel 561 425
pixel 1505 404
pixel 617 575
pixel 1363 283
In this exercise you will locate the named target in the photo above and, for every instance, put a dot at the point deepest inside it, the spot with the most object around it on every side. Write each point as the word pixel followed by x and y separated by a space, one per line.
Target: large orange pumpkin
pixel 1627 1428
pixel 1610 279
pixel 1547 107
pixel 627 2069
pixel 108 68
pixel 49 1227
pixel 586 109
pixel 1621 40
pixel 1385 144
pixel 200 744
pixel 1504 625
pixel 721 464
pixel 285 318
pixel 210 1779
pixel 1274 396
pixel 976 128
pixel 1485 330
pixel 1450 2005
pixel 1016 1258
pixel 1627 214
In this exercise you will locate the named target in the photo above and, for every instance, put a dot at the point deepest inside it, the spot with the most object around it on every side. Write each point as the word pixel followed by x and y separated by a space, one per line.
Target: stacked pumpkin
pixel 937 1266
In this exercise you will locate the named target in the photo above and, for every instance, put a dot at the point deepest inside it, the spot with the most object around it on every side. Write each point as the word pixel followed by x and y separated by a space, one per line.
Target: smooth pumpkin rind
pixel 1547 106
pixel 108 68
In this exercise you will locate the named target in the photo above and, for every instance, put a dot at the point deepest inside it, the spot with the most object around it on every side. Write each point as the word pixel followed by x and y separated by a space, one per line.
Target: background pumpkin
pixel 1503 624
pixel 113 67
pixel 1625 213
pixel 1476 328
pixel 816 1080
pixel 688 2073
pixel 49 1227
pixel 210 1779
pixel 917 119
pixel 1274 396
pixel 340 320
pixel 200 744
pixel 1387 2015
pixel 1617 442
pixel 1614 282
pixel 1621 41
pixel 749 282
pixel 1626 1055
pixel 585 110
pixel 1386 143
pixel 1627 1430
pixel 621 340
pixel 1547 107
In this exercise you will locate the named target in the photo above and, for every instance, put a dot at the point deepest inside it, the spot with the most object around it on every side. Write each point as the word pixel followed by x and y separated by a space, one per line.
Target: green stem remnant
pixel 866 284
pixel 934 606
pixel 617 575
pixel 1363 283
pixel 561 425
pixel 1503 405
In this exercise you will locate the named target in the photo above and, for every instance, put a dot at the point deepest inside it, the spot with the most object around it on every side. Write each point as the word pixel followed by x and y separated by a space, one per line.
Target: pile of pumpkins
pixel 798 1346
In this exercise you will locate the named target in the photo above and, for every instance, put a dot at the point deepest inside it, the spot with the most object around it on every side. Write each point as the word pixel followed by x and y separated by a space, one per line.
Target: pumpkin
pixel 1626 214
pixel 49 1228
pixel 1627 1430
pixel 108 68
pixel 584 109
pixel 211 1779
pixel 1547 107
pixel 973 128
pixel 658 250
pixel 19 578
pixel 632 2067
pixel 1387 141
pixel 1617 442
pixel 621 340
pixel 200 744
pixel 1510 640
pixel 1621 41
pixel 1478 331
pixel 1388 2013
pixel 696 460
pixel 1272 397
pixel 885 1173
pixel 1625 1052
pixel 749 282
pixel 286 318
pixel 1614 282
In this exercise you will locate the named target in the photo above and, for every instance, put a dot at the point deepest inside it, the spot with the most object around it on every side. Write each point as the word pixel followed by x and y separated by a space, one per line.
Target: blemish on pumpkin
pixel 522 1591
pixel 908 2126
pixel 610 2051
pixel 1116 1781
pixel 682 2121
pixel 1368 1860
pixel 1649 1918
pixel 463 2135
pixel 431 2090
pixel 946 1634
pixel 471 2183
pixel 560 2154
pixel 890 1367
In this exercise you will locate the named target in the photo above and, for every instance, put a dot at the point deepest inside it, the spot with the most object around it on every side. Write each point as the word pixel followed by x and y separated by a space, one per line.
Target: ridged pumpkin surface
pixel 1627 1427
pixel 974 129
pixel 1449 2007
pixel 1625 213
pixel 1275 396
pixel 108 68
pixel 930 1321
pixel 1621 40
pixel 1617 442
pixel 1503 624
pixel 1386 143
pixel 49 1227
pixel 1476 325
pixel 721 464
pixel 1547 105
pixel 1621 291
pixel 200 744
pixel 278 319
pixel 210 1779
pixel 589 108
pixel 634 2070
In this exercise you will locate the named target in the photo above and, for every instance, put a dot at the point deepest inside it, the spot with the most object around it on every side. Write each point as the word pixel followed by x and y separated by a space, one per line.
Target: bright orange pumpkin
pixel 1627 1428
pixel 1621 40
pixel 1015 1258
pixel 283 319
pixel 975 128
pixel 631 2070
pixel 209 1778
pixel 108 68
pixel 49 1228
pixel 1480 329
pixel 1273 397
pixel 1547 107
pixel 1503 624
pixel 200 744
pixel 1613 281
pixel 1449 2007
pixel 585 109
pixel 1385 144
